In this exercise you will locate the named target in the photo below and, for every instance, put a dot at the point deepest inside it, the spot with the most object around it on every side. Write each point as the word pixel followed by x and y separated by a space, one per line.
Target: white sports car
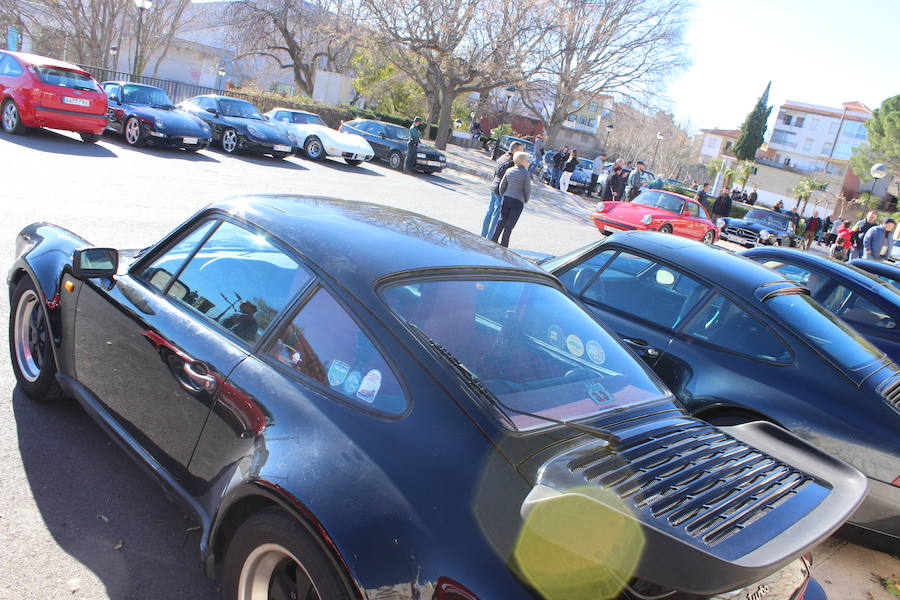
pixel 318 140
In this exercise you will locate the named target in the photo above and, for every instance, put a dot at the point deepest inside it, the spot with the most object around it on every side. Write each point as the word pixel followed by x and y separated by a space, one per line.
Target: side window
pixel 161 271
pixel 692 208
pixel 282 115
pixel 239 280
pixel 203 103
pixel 855 309
pixel 808 278
pixel 324 344
pixel 724 324
pixel 578 276
pixel 643 288
pixel 113 90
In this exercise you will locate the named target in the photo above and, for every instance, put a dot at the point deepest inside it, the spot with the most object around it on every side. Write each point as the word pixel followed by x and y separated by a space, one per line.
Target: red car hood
pixel 631 213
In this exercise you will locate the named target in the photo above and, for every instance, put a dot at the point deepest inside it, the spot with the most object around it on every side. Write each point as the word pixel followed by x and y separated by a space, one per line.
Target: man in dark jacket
pixel 859 233
pixel 559 160
pixel 702 195
pixel 504 162
pixel 722 206
pixel 612 187
pixel 813 224
pixel 752 198
pixel 412 146
pixel 634 181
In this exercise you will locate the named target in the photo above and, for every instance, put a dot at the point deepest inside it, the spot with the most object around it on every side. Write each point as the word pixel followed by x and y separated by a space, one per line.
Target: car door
pixel 115 110
pixel 12 75
pixel 156 346
pixel 376 135
pixel 694 219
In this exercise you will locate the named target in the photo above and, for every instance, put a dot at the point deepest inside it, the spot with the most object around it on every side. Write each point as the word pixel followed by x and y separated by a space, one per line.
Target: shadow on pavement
pixel 77 473
pixel 161 151
pixel 265 160
pixel 339 166
pixel 50 141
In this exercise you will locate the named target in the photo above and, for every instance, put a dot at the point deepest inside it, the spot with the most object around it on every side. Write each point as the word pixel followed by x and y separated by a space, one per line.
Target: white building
pixel 813 138
pixel 717 143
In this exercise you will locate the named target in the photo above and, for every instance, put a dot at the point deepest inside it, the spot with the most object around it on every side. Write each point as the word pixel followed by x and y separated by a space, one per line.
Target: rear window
pixel 68 79
pixel 825 331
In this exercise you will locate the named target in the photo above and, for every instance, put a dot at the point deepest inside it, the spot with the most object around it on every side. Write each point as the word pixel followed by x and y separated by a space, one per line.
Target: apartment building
pixel 717 143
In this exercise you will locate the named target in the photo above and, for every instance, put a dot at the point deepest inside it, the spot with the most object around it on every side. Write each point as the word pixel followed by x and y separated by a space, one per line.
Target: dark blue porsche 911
pixel 360 402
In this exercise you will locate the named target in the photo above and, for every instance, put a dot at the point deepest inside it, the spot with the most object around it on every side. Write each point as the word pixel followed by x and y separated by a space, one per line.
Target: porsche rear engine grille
pixel 891 393
pixel 698 478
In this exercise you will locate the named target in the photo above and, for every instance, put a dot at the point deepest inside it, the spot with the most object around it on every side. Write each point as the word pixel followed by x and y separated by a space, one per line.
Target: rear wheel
pixel 313 148
pixel 395 160
pixel 273 557
pixel 665 229
pixel 230 141
pixel 90 138
pixel 30 344
pixel 12 121
pixel 710 237
pixel 133 134
pixel 353 162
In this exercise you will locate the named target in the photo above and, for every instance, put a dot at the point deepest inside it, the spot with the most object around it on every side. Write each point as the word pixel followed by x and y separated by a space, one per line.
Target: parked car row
pixel 42 92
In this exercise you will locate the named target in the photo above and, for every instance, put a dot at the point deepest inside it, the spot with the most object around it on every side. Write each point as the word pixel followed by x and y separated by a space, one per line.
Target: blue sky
pixel 817 51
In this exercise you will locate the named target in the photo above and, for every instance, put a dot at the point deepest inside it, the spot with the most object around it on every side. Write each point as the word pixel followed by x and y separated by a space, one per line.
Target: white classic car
pixel 318 140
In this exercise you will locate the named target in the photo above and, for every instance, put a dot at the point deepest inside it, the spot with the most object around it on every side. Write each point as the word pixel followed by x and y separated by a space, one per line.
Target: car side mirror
pixel 685 213
pixel 113 98
pixel 213 112
pixel 88 263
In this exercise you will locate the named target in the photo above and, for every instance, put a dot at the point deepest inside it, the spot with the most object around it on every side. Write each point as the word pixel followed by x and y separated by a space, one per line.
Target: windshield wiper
pixel 469 377
pixel 163 106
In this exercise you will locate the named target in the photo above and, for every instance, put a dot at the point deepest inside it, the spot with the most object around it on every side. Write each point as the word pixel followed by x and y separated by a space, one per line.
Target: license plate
pixel 736 239
pixel 281 148
pixel 434 163
pixel 189 140
pixel 76 101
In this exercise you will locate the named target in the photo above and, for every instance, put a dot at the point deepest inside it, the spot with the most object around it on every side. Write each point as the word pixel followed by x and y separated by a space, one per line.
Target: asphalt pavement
pixel 78 519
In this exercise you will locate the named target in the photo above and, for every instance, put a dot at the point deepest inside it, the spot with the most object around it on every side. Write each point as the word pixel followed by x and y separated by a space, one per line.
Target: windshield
pixel 238 108
pixel 144 94
pixel 825 331
pixel 68 79
pixel 660 200
pixel 306 119
pixel 531 346
pixel 769 219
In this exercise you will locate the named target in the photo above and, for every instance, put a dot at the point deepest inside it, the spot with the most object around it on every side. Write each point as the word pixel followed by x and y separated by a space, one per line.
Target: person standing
pixel 612 187
pixel 879 241
pixel 515 189
pixel 504 163
pixel 412 146
pixel 538 157
pixel 831 235
pixel 842 243
pixel 778 207
pixel 813 224
pixel 753 197
pixel 559 160
pixel 568 170
pixel 721 207
pixel 599 163
pixel 859 233
pixel 702 195
pixel 634 181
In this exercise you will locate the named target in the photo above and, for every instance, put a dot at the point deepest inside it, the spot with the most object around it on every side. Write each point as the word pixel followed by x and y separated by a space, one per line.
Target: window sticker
pixel 351 384
pixel 597 392
pixel 555 335
pixel 575 345
pixel 595 352
pixel 369 387
pixel 337 372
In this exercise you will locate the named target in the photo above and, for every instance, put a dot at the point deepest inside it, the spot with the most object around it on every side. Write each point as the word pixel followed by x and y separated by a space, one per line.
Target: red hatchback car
pixel 657 210
pixel 43 92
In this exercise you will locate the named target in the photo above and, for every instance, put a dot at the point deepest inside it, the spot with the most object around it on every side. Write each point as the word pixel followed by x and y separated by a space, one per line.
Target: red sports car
pixel 43 92
pixel 657 210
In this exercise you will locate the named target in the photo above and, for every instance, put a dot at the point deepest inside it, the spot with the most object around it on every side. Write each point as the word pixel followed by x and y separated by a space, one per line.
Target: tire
pixel 665 229
pixel 354 162
pixel 230 141
pixel 12 120
pixel 90 138
pixel 395 160
pixel 30 344
pixel 132 132
pixel 272 547
pixel 709 238
pixel 313 148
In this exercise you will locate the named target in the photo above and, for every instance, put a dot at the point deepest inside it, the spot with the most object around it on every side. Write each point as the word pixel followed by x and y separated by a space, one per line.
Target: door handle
pixel 202 380
pixel 644 345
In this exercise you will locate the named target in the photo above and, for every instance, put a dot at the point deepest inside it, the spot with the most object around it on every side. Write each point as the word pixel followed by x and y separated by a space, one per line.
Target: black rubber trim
pixel 71 112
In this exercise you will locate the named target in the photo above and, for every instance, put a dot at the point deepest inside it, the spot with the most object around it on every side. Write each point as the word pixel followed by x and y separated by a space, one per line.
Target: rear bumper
pixel 69 120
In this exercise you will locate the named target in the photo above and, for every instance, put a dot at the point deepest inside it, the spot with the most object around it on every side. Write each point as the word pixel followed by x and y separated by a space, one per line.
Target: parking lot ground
pixel 78 519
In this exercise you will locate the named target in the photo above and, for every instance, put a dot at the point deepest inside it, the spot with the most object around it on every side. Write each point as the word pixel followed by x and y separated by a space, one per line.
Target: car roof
pixel 34 59
pixel 120 82
pixel 849 272
pixel 876 266
pixel 723 268
pixel 293 110
pixel 358 242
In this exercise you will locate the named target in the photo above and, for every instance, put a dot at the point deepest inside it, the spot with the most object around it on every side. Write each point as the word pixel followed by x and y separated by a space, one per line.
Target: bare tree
pixel 635 138
pixel 301 35
pixel 453 47
pixel 90 27
pixel 159 27
pixel 623 47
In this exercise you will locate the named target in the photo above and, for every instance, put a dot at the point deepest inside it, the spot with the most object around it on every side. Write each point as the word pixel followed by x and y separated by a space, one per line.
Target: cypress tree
pixel 754 129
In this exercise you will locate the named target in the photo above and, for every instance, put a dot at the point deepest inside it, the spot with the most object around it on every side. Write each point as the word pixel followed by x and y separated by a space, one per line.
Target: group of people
pixel 510 192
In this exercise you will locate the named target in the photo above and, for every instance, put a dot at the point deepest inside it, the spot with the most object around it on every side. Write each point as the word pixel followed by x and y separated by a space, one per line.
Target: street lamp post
pixel 220 71
pixel 659 138
pixel 609 128
pixel 142 5
pixel 508 93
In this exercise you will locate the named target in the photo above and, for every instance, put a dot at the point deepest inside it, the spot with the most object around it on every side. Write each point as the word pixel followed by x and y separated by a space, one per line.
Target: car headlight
pixel 442 158
pixel 420 155
pixel 600 206
pixel 647 219
pixel 720 223
pixel 764 235
pixel 255 132
pixel 160 125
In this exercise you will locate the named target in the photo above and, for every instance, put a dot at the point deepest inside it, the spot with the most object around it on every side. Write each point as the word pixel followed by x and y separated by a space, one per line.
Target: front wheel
pixel 353 162
pixel 665 229
pixel 133 135
pixel 273 557
pixel 30 344
pixel 12 121
pixel 313 149
pixel 90 138
pixel 395 160
pixel 710 238
pixel 230 141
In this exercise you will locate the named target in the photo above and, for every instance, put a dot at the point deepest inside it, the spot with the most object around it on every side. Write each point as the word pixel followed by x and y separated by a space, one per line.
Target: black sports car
pixel 143 113
pixel 860 298
pixel 737 342
pixel 238 126
pixel 759 227
pixel 408 411
pixel 389 142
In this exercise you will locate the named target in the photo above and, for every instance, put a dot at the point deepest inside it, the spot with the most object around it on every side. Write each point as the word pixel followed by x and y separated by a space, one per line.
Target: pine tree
pixel 754 129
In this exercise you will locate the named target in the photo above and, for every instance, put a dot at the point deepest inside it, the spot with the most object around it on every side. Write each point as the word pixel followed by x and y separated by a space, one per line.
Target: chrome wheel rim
pixel 10 116
pixel 708 238
pixel 314 149
pixel 271 572
pixel 132 131
pixel 395 161
pixel 30 336
pixel 229 141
